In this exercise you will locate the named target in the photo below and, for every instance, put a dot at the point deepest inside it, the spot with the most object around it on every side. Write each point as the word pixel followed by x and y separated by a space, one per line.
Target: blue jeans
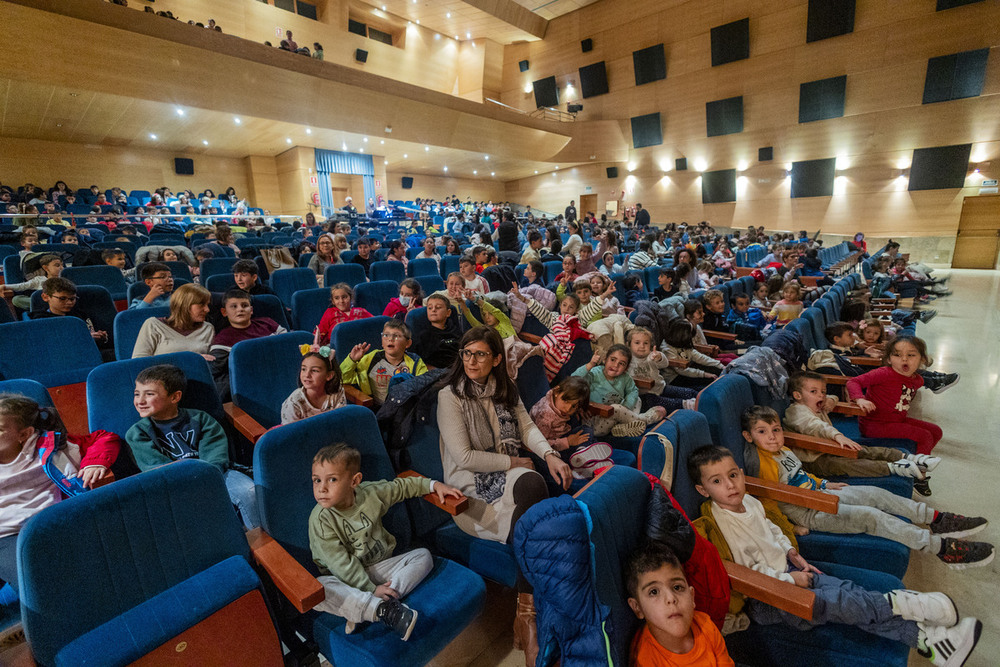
pixel 842 601
pixel 8 560
pixel 243 494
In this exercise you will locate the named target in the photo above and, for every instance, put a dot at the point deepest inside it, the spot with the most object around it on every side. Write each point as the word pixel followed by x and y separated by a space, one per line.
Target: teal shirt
pixel 621 390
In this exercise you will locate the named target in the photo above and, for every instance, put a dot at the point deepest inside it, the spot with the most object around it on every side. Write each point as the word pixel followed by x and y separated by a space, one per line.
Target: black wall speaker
pixel 407 182
pixel 718 187
pixel 765 154
pixel 650 64
pixel 574 108
pixel 939 167
pixel 813 178
pixel 647 130
pixel 731 42
pixel 681 164
pixel 546 92
pixel 523 65
pixel 183 166
pixel 587 45
pixel 612 172
pixel 593 80
pixel 360 55
pixel 829 18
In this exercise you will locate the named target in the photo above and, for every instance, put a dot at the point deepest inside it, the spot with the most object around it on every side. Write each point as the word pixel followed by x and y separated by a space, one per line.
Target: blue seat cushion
pixel 826 645
pixel 493 560
pixel 867 551
pixel 141 629
pixel 446 601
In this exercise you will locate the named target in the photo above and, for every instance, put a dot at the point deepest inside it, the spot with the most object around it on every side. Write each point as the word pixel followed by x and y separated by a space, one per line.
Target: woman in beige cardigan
pixel 484 432
pixel 184 330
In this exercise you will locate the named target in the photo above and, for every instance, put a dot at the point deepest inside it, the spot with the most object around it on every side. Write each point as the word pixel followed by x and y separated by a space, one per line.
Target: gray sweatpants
pixel 873 511
pixel 403 573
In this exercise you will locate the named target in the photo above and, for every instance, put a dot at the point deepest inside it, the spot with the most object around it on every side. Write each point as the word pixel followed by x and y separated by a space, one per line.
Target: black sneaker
pixel 397 616
pixel 927 315
pixel 947 382
pixel 923 486
pixel 956 525
pixel 962 555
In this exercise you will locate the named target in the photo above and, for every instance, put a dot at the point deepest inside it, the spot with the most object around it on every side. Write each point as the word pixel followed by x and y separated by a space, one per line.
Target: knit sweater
pixel 649 368
pixel 157 337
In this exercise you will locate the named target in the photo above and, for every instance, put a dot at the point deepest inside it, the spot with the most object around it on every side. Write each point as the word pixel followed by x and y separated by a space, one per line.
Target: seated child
pixel 437 345
pixel 706 274
pixel 601 285
pixel 199 257
pixel 494 312
pixel 569 273
pixel 789 307
pixel 678 343
pixel 759 301
pixel 808 415
pixel 531 253
pixel 372 371
pixel 320 386
pixel 351 547
pixel 410 296
pixel 341 310
pixel 534 274
pixel 160 281
pixel 611 385
pixel 863 509
pixel 27 484
pixel 608 265
pixel 681 272
pixel 454 290
pixel 646 364
pixel 564 329
pixel 167 432
pixel 585 264
pixel 245 276
pixel 749 323
pixel 60 298
pixel 471 279
pixel 667 289
pixel 584 292
pixel 52 267
pixel 714 319
pixel 738 526
pixel 237 308
pixel 557 416
pixel 674 634
pixel 116 257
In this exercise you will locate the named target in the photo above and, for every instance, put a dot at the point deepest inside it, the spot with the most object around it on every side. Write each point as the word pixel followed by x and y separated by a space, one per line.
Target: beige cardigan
pixel 157 337
pixel 489 521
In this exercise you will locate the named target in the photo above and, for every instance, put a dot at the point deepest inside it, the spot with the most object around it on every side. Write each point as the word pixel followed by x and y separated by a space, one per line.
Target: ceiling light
pixel 742 165
pixel 288 140
pixel 362 149
pixel 630 166
pixel 385 162
pixel 446 168
pixel 536 171
pixel 843 162
pixel 527 87
pixel 153 137
pixel 474 172
pixel 903 163
pixel 486 157
pixel 308 131
pixel 665 165
pixel 468 35
pixel 383 8
pixel 493 173
pixel 557 167
pixel 427 148
pixel 700 164
pixel 237 120
pixel 405 156
pixel 180 112
pixel 448 15
pixel 418 20
pixel 204 141
pixel 456 38
pixel 382 142
pixel 364 139
pixel 437 36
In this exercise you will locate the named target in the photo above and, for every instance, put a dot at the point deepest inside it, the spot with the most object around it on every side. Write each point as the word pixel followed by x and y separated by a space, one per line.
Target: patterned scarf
pixel 489 485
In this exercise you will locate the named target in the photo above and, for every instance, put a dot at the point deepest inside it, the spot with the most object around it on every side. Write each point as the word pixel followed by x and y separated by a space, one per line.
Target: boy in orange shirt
pixel 675 635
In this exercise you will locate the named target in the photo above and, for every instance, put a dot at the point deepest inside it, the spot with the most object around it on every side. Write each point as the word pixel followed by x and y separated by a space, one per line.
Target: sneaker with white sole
pixel 630 429
pixel 955 525
pixel 398 617
pixel 947 382
pixel 926 462
pixel 962 554
pixel 586 460
pixel 689 403
pixel 905 468
pixel 923 486
pixel 931 608
pixel 949 647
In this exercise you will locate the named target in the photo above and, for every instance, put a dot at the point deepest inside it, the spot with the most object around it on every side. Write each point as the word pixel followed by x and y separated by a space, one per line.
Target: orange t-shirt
pixel 709 649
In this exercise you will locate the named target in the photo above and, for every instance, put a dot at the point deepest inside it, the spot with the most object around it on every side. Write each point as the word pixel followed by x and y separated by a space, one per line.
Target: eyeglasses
pixel 64 299
pixel 392 336
pixel 158 276
pixel 478 354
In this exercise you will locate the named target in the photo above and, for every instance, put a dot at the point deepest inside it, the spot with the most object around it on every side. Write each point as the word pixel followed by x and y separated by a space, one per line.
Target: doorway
pixel 588 204
pixel 978 237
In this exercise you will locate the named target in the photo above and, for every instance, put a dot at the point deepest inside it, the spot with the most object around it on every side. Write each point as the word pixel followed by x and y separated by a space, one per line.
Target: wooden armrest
pixel 358 397
pixel 244 423
pixel 529 338
pixel 821 445
pixel 294 581
pixel 836 379
pixel 601 410
pixel 783 493
pixel 453 506
pixel 710 350
pixel 781 594
pixel 677 363
pixel 643 384
pixel 18 656
pixel 720 335
pixel 865 361
pixel 849 409
pixel 105 480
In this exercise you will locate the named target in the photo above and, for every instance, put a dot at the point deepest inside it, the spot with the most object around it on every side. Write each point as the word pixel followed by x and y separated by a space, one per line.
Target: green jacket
pixel 357 373
pixel 344 543
pixel 195 434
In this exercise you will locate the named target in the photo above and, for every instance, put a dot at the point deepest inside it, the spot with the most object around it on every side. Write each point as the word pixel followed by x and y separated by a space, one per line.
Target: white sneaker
pixel 650 416
pixel 689 403
pixel 905 468
pixel 925 461
pixel 950 647
pixel 932 608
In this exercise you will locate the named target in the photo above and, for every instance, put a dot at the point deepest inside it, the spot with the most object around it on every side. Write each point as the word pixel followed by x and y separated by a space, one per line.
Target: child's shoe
pixel 962 555
pixel 689 403
pixel 947 382
pixel 955 525
pixel 949 647
pixel 398 617
pixel 632 429
pixel 923 486
pixel 926 462
pixel 587 459
pixel 931 608
pixel 653 415
pixel 905 468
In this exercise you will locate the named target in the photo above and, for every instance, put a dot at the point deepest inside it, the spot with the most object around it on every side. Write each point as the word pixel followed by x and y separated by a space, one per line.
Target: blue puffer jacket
pixel 553 551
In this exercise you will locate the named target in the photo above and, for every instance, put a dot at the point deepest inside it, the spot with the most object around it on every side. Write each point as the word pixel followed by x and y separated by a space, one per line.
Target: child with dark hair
pixel 167 432
pixel 564 328
pixel 372 370
pixel 667 288
pixel 160 281
pixel 411 296
pixel 743 531
pixel 320 388
pixel 558 415
pixel 245 276
pixel 342 309
pixel 438 343
pixel 60 297
pixel 534 274
pixel 610 384
pixel 674 633
pixel 51 267
pixel 679 344
pixel 363 581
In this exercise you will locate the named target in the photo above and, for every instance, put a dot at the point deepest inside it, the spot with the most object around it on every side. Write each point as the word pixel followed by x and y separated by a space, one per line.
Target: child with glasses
pixel 59 295
pixel 160 281
pixel 372 370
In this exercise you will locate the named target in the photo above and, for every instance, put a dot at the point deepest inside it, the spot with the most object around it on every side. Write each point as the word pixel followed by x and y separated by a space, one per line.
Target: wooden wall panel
pixel 439 187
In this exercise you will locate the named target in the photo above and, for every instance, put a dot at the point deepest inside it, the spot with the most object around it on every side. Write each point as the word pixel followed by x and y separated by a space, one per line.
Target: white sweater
pixel 157 337
pixel 754 541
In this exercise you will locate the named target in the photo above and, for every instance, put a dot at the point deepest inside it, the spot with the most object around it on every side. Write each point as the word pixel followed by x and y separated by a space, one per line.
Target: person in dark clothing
pixel 641 217
pixel 570 212
pixel 60 298
pixel 364 256
pixel 507 235
pixel 438 344
pixel 245 277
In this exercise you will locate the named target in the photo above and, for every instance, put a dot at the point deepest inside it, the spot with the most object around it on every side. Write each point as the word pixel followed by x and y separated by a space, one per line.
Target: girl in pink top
pixel 341 310
pixel 885 395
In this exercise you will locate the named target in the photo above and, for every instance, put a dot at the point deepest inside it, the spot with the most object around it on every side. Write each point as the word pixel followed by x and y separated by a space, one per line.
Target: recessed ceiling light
pixel 180 112
pixel 493 173
pixel 361 150
pixel 288 140
pixel 308 131
pixel 383 8
pixel 486 157
pixel 427 148
pixel 557 167
pixel 448 15
pixel 446 168
pixel 204 141
pixel 468 35
pixel 237 120
pixel 437 36
pixel 153 137
pixel 456 38
pixel 405 156
pixel 382 142
pixel 536 171
pixel 385 162
pixel 365 139
pixel 418 20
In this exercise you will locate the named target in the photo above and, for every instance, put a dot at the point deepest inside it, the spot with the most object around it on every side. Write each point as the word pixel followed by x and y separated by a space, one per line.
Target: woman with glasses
pixel 486 439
